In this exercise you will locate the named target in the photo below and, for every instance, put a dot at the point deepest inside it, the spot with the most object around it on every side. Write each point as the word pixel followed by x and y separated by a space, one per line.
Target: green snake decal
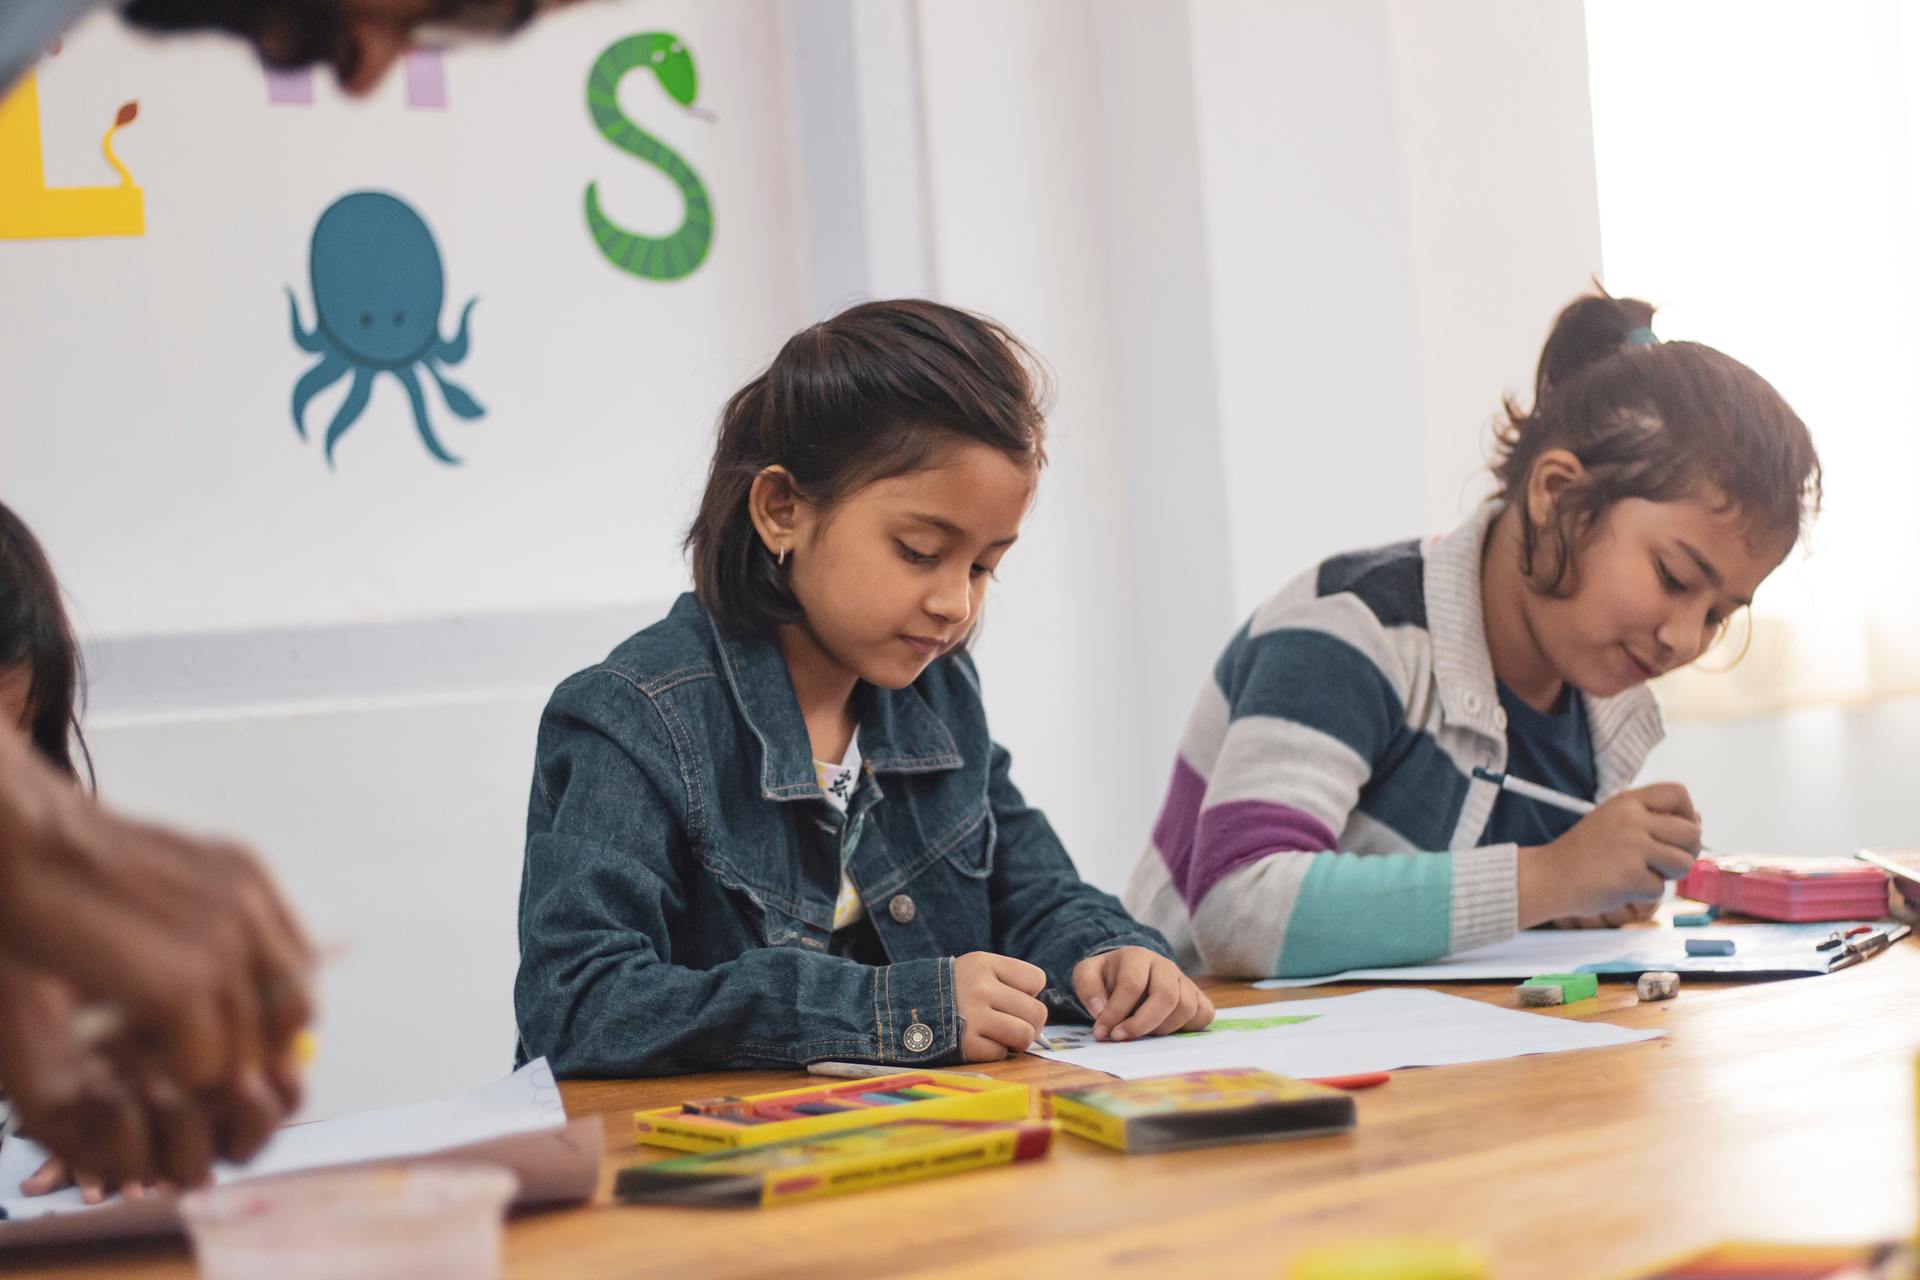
pixel 652 257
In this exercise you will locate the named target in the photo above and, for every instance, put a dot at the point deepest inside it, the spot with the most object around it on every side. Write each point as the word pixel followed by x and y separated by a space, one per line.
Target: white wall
pixel 395 828
pixel 1817 782
pixel 1016 195
pixel 1310 296
pixel 153 374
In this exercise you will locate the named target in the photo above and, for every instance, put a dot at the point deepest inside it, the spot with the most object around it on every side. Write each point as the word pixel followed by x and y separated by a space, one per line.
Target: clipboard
pixel 1764 951
pixel 1901 864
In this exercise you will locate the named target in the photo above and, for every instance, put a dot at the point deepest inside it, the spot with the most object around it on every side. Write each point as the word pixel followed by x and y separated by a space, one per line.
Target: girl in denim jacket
pixel 773 828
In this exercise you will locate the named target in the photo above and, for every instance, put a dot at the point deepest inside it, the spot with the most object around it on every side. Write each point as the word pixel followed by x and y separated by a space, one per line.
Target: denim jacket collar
pixel 899 733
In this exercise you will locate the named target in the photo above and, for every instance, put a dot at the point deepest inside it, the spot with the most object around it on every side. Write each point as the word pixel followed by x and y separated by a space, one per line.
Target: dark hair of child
pixel 36 637
pixel 879 390
pixel 1663 421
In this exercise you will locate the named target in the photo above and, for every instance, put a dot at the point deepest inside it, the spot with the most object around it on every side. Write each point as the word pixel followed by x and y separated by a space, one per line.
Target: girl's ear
pixel 777 510
pixel 1553 472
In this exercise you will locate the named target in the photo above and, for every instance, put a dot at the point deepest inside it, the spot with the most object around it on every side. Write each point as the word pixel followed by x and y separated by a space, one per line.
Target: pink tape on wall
pixel 426 81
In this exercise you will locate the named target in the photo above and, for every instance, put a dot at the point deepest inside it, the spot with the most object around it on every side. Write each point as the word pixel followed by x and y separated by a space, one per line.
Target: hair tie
pixel 1641 337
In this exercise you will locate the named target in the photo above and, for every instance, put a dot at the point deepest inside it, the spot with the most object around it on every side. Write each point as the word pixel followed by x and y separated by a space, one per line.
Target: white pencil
pixel 1534 791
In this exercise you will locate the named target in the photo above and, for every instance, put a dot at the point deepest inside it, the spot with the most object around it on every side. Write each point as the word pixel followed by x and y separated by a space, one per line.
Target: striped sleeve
pixel 1315 697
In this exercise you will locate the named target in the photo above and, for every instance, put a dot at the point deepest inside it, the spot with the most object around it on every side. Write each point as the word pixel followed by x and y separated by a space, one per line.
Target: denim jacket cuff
pixel 915 1018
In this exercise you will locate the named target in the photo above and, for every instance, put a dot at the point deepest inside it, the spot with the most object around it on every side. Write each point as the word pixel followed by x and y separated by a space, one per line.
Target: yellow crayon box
pixel 1199 1109
pixel 760 1119
pixel 831 1164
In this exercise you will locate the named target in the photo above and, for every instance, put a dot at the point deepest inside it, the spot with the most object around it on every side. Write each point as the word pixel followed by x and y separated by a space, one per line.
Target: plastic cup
pixel 405 1222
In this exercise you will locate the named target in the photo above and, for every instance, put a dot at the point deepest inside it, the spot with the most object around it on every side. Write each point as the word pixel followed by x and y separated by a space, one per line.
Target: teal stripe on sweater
pixel 1365 912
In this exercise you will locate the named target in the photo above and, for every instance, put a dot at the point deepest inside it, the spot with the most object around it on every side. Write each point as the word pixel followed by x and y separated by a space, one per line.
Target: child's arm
pixel 1101 963
pixel 1043 912
pixel 598 992
pixel 1305 715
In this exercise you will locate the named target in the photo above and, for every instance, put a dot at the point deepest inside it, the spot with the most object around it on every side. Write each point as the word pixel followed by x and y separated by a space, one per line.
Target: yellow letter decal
pixel 30 209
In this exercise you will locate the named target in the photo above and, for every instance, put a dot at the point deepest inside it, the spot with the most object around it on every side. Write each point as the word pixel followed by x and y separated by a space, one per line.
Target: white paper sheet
pixel 1761 950
pixel 1347 1035
pixel 518 1121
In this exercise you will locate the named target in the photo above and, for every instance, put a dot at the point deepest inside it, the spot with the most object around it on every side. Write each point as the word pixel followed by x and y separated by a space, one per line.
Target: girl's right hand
pixel 997 997
pixel 1623 852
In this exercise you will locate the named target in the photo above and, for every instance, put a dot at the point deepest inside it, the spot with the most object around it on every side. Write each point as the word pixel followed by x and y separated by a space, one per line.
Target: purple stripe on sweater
pixel 1173 833
pixel 1229 836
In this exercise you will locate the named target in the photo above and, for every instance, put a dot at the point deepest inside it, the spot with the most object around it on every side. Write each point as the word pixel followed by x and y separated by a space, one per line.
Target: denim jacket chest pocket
pixel 933 824
pixel 924 867
pixel 776 868
pixel 754 860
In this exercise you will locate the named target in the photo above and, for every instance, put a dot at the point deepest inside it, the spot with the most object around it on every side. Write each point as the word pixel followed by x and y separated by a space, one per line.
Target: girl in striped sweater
pixel 1324 813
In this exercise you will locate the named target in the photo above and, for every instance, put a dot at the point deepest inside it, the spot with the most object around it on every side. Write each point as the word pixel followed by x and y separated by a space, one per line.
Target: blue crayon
pixel 1709 946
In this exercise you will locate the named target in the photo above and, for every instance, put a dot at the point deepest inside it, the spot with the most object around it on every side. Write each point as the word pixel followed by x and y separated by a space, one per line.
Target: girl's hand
pixel 1629 914
pixel 1622 853
pixel 1133 992
pixel 54 1176
pixel 998 1000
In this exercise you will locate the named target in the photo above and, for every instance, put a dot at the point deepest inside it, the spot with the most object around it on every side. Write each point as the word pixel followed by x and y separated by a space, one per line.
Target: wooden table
pixel 1780 1110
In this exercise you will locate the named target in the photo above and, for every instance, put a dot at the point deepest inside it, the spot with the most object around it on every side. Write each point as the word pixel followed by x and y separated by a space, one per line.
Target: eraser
pixel 1658 986
pixel 1573 986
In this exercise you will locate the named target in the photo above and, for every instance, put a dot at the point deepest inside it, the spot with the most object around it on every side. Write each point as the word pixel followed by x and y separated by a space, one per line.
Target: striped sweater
pixel 1322 813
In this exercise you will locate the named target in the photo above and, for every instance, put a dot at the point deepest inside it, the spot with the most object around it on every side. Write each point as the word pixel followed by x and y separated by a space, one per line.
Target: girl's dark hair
pixel 35 635
pixel 877 391
pixel 1648 419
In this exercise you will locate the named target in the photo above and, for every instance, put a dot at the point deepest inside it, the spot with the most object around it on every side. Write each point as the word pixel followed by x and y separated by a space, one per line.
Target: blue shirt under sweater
pixel 1552 748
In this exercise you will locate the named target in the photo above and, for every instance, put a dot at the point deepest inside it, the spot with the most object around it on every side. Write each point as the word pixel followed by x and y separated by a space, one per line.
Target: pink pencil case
pixel 1792 889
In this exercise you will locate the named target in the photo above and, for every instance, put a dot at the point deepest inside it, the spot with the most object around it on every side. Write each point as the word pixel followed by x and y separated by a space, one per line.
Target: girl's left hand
pixel 1133 992
pixel 1629 914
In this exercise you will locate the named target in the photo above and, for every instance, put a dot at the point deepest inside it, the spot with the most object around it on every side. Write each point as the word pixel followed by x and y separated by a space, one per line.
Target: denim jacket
pixel 682 867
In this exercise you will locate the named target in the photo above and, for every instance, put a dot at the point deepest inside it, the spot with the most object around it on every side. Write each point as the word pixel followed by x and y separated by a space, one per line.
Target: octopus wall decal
pixel 378 287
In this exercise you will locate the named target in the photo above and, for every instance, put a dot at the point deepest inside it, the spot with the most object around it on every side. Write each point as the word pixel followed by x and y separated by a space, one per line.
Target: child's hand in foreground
pixel 1133 992
pixel 999 1005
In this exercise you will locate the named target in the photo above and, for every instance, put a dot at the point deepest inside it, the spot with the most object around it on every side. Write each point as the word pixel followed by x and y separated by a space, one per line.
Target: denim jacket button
pixel 902 909
pixel 919 1036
